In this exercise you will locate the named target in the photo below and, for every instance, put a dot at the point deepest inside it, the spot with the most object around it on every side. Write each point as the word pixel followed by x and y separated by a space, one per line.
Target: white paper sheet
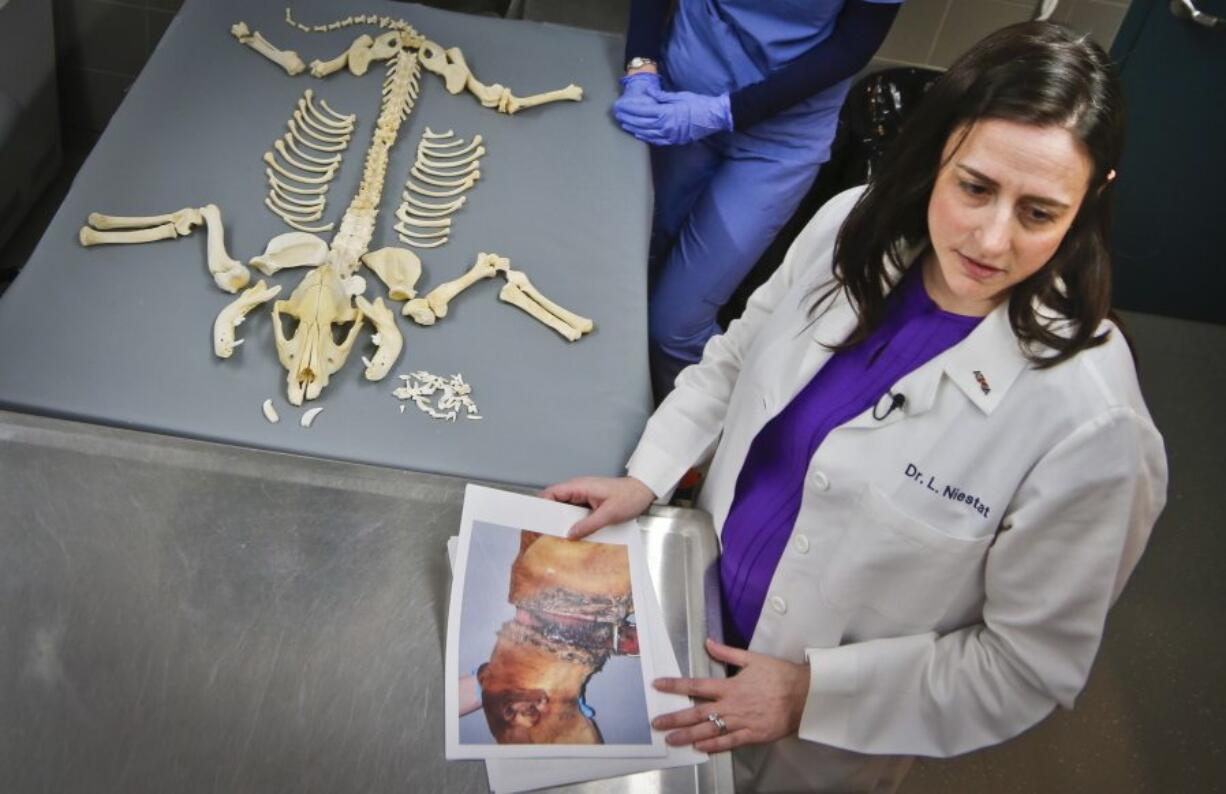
pixel 501 513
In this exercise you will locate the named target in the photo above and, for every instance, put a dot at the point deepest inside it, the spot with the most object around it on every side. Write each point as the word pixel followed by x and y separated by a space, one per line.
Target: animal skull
pixel 311 355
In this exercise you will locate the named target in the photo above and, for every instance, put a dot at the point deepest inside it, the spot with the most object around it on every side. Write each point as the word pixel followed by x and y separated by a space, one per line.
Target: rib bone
pixel 309 180
pixel 426 169
pixel 309 111
pixel 319 132
pixel 314 142
pixel 400 227
pixel 438 193
pixel 447 208
pixel 403 214
pixel 417 244
pixel 467 181
pixel 289 140
pixel 283 188
pixel 313 213
pixel 279 145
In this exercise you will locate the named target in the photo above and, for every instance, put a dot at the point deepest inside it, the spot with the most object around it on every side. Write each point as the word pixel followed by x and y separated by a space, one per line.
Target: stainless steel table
pixel 183 616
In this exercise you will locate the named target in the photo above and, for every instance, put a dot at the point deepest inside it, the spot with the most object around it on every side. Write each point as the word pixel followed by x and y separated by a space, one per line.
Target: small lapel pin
pixel 983 382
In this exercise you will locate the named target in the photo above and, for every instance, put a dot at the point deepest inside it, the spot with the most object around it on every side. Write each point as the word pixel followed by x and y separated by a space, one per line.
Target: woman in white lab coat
pixel 932 469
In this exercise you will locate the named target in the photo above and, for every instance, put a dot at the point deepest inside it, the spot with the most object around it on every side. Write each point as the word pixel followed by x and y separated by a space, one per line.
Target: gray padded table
pixel 121 335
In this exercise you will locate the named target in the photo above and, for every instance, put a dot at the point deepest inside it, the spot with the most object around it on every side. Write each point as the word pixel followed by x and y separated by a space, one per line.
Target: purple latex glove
pixel 635 90
pixel 670 118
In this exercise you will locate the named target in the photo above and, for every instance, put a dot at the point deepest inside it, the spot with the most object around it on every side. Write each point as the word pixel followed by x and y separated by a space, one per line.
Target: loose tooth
pixel 309 416
pixel 270 413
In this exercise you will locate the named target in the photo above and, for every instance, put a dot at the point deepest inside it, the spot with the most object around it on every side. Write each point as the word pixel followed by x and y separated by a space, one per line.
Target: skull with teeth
pixel 311 354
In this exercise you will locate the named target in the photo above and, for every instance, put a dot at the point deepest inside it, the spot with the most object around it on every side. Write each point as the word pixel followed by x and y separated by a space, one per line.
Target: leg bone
pixel 286 59
pixel 516 297
pixel 520 279
pixel 442 295
pixel 229 274
pixel 184 220
pixel 166 231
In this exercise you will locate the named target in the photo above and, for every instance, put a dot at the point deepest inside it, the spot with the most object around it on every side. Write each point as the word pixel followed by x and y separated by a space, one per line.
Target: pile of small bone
pixel 300 199
pixel 445 167
pixel 442 398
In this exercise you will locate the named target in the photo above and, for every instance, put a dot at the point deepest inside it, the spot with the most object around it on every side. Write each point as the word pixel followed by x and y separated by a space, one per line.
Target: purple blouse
pixel 771 483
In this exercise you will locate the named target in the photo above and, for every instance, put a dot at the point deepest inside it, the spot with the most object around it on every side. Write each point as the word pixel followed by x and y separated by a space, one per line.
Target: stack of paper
pixel 541 682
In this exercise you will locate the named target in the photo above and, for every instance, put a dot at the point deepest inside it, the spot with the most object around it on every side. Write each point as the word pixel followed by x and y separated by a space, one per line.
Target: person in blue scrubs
pixel 739 100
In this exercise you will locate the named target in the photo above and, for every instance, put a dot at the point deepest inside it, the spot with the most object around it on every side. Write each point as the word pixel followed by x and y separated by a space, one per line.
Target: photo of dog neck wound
pixel 573 610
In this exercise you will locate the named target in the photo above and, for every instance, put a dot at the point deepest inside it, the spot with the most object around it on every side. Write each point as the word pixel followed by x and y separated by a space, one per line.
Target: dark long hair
pixel 1035 73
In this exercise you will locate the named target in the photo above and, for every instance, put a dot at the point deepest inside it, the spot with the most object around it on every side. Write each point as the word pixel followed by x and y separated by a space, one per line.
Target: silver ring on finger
pixel 718 722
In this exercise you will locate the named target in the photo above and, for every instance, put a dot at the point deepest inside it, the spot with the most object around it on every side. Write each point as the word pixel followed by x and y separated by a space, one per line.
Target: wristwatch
pixel 638 62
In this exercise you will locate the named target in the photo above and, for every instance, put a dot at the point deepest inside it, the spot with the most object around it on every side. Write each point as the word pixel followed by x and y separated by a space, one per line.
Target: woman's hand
pixel 612 499
pixel 760 704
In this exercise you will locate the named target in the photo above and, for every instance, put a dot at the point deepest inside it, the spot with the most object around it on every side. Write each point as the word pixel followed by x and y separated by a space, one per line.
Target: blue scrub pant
pixel 719 202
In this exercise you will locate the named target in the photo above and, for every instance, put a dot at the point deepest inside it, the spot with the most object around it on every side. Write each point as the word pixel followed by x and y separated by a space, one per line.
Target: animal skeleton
pixel 324 298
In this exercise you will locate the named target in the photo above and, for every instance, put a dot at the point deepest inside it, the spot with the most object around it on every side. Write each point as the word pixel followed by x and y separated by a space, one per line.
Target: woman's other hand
pixel 612 499
pixel 760 704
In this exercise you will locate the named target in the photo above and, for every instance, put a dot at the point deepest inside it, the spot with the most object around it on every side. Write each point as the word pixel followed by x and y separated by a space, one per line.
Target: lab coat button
pixel 801 544
pixel 820 481
pixel 779 605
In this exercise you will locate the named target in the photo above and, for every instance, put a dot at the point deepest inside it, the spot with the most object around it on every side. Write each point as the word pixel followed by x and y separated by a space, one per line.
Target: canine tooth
pixel 309 416
pixel 270 413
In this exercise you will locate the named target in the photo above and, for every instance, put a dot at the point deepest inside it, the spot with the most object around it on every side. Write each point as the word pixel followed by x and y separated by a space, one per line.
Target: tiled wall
pixel 934 32
pixel 103 44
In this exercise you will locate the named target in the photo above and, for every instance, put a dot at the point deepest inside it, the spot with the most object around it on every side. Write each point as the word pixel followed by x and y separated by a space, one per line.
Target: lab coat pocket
pixel 899 566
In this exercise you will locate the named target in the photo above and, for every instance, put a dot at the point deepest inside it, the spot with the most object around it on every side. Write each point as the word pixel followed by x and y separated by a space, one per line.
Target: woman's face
pixel 1001 204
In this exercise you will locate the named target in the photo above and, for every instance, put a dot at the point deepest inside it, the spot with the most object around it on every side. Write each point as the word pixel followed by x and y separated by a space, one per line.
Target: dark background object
pixel 1169 239
pixel 876 107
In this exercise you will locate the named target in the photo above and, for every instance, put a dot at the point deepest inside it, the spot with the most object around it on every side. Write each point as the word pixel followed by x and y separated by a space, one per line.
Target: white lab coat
pixel 952 564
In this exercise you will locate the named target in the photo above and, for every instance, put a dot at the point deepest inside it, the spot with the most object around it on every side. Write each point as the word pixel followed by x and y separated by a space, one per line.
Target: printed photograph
pixel 548 643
